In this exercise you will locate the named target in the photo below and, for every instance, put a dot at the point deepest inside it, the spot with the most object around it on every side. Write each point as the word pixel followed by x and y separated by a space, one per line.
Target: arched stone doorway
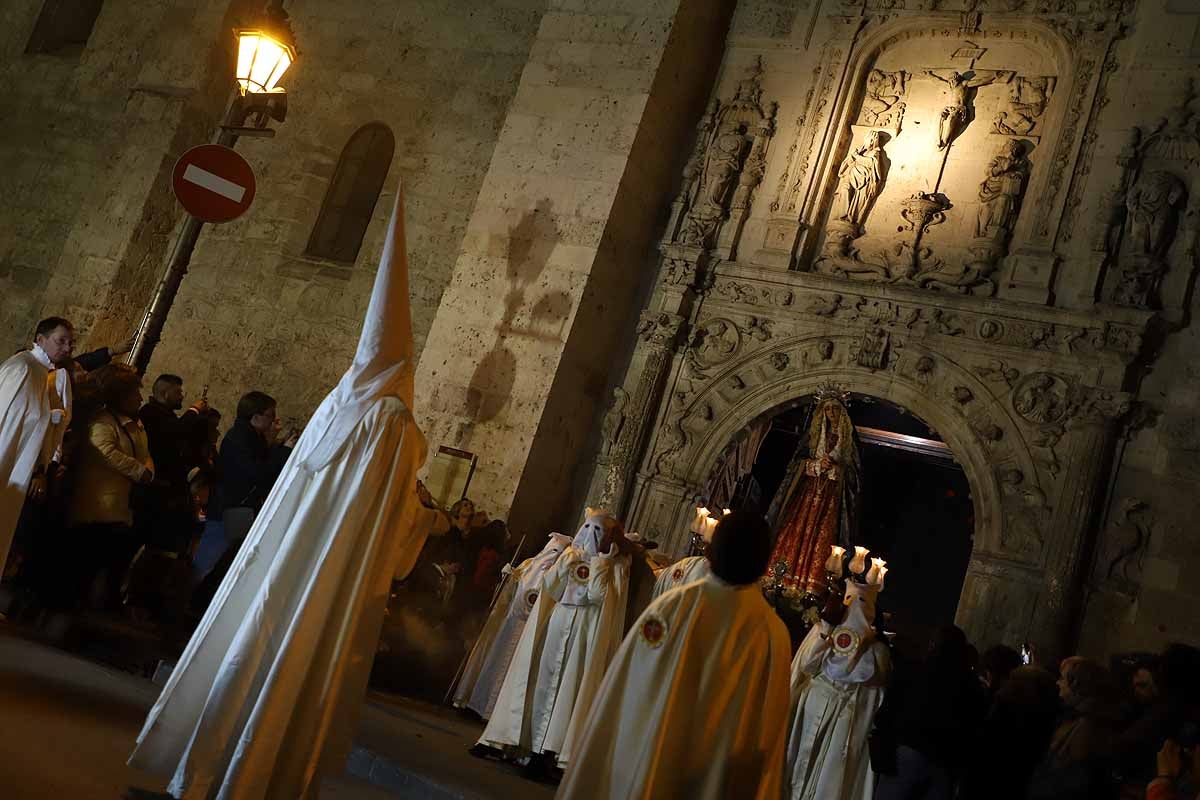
pixel 910 501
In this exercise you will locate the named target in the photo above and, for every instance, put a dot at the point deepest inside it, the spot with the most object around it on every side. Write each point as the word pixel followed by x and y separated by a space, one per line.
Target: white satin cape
pixel 561 657
pixel 834 700
pixel 493 650
pixel 694 704
pixel 266 695
pixel 685 570
pixel 24 423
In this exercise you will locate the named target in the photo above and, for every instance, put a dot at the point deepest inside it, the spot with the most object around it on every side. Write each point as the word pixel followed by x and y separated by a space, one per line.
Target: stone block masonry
pixel 543 293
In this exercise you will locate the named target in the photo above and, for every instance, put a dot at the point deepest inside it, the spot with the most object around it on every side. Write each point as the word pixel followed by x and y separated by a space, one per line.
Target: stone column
pixel 552 261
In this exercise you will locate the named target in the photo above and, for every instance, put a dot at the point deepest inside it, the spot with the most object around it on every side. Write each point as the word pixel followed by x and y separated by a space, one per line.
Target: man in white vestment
pixel 694 705
pixel 838 679
pixel 572 634
pixel 685 570
pixel 264 699
pixel 35 408
pixel 493 650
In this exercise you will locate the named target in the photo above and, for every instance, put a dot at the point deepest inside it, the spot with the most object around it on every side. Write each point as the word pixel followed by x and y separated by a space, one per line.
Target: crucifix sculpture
pixel 959 111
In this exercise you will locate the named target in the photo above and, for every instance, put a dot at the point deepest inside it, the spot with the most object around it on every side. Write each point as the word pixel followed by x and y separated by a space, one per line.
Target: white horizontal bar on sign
pixel 214 183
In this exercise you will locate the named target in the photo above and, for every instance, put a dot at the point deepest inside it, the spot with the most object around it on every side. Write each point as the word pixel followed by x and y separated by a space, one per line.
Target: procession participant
pixel 493 650
pixel 838 679
pixel 35 408
pixel 264 700
pixel 568 641
pixel 695 702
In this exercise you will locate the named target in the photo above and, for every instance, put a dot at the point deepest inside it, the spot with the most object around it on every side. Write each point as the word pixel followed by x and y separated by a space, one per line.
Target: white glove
pixel 506 569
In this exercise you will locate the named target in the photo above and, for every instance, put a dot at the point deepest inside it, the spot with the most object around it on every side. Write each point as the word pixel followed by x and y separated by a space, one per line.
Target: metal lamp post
pixel 265 52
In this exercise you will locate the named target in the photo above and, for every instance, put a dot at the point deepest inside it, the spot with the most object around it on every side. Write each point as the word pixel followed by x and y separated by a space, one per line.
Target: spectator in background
pixel 1078 765
pixel 251 457
pixel 934 714
pixel 1014 737
pixel 996 664
pixel 1166 699
pixel 165 512
pixel 115 459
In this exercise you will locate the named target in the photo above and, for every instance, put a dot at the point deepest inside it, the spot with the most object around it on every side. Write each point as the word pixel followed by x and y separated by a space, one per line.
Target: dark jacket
pixel 168 442
pixel 246 470
pixel 94 360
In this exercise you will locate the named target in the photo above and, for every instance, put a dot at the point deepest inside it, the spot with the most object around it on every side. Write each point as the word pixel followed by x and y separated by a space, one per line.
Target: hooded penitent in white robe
pixel 685 570
pixel 266 694
pixel 572 634
pixel 838 679
pixel 33 416
pixel 493 650
pixel 694 705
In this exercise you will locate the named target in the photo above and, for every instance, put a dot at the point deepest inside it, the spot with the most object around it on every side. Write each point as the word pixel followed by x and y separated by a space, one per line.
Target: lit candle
pixel 710 525
pixel 876 565
pixel 882 575
pixel 698 522
pixel 835 562
pixel 859 562
pixel 727 512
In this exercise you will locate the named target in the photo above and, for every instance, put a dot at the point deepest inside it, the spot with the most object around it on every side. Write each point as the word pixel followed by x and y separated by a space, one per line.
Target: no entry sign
pixel 213 183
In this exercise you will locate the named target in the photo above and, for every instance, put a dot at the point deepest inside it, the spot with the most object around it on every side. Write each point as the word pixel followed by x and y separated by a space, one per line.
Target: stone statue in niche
pixel 882 106
pixel 727 164
pixel 614 421
pixel 720 175
pixel 1153 207
pixel 1151 221
pixel 860 179
pixel 1000 192
pixel 959 111
pixel 1027 102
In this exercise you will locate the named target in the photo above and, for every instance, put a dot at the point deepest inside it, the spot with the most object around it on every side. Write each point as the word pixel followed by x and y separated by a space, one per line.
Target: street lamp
pixel 265 51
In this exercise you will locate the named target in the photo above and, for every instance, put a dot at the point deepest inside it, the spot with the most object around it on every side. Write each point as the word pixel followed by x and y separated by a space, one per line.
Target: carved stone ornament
pixel 614 420
pixel 780 361
pixel 1126 543
pixel 1027 101
pixel 715 342
pixel 860 179
pixel 725 168
pixel 960 93
pixel 1159 177
pixel 1042 398
pixel 659 328
pixel 873 349
pixel 883 105
pixel 963 395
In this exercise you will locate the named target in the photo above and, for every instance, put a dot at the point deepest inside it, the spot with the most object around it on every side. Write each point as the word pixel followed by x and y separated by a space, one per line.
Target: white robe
pixel 497 642
pixel 25 421
pixel 685 570
pixel 265 697
pixel 834 699
pixel 572 634
pixel 694 705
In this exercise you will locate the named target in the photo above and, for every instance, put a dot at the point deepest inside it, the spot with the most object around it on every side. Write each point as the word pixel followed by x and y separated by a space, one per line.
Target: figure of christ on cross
pixel 958 112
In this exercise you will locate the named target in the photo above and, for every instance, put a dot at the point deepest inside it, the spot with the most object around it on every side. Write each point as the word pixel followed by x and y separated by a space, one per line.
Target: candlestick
pixel 835 564
pixel 876 565
pixel 859 562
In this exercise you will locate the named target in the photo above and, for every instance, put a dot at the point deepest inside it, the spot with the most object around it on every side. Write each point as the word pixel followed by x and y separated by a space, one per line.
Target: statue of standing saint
pixel 1000 192
pixel 815 507
pixel 861 178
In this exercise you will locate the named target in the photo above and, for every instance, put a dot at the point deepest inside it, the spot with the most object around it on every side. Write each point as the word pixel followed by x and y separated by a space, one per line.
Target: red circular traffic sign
pixel 213 183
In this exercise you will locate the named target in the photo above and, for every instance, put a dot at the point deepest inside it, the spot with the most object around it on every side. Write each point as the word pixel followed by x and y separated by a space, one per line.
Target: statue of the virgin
pixel 816 504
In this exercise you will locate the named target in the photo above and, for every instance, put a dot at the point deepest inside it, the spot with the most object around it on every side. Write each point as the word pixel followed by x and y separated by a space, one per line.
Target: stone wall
pixel 92 140
pixel 542 296
pixel 1142 591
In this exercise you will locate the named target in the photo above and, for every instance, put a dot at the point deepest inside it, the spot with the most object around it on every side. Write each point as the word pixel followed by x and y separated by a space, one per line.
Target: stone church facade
pixel 637 227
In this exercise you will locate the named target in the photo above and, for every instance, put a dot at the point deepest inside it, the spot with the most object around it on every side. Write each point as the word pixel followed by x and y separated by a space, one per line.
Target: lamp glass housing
pixel 262 61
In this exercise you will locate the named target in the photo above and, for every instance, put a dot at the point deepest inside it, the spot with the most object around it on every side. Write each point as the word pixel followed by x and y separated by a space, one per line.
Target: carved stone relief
pixel 883 106
pixel 1027 101
pixel 959 110
pixel 725 168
